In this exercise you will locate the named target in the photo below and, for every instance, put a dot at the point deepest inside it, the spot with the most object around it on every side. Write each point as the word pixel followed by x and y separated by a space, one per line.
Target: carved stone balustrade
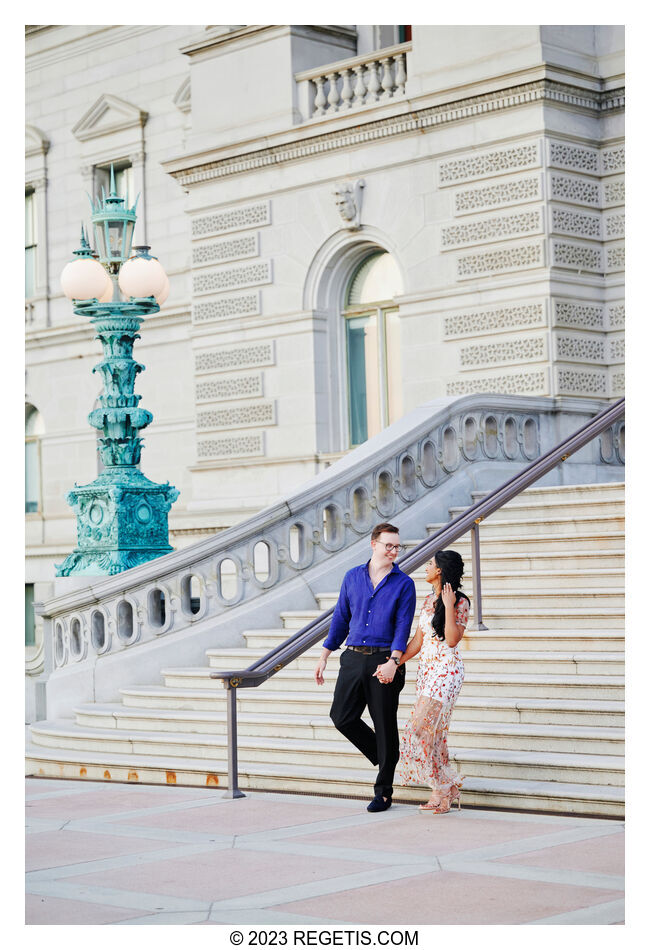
pixel 360 81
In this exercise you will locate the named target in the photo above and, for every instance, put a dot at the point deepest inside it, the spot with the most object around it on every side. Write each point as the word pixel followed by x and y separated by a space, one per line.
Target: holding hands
pixel 386 672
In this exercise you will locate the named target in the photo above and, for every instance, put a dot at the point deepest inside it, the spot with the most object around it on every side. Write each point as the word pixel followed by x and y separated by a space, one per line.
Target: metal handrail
pixel 277 658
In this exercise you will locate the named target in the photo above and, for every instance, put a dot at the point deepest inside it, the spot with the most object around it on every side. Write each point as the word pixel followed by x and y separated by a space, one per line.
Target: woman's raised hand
pixel 448 597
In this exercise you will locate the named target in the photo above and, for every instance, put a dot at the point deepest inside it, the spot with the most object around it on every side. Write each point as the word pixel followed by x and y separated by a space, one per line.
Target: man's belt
pixel 369 650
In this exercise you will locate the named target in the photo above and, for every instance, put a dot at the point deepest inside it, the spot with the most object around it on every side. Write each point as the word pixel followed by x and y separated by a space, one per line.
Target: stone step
pixel 496 545
pixel 329 755
pixel 477 660
pixel 552 509
pixel 528 597
pixel 463 733
pixel 539 795
pixel 607 640
pixel 604 490
pixel 566 576
pixel 475 684
pixel 579 528
pixel 495 615
pixel 582 711
pixel 572 555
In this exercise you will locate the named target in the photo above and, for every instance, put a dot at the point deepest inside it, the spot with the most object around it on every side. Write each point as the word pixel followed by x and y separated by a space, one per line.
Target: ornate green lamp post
pixel 121 515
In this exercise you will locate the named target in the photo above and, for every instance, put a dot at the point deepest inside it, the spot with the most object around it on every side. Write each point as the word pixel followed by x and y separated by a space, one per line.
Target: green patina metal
pixel 121 515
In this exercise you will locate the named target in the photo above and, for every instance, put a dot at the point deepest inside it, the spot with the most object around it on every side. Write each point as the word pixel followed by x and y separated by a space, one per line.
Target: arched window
pixel 372 340
pixel 33 432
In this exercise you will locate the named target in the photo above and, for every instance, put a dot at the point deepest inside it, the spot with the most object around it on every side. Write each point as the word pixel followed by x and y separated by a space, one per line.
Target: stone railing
pixel 371 79
pixel 386 476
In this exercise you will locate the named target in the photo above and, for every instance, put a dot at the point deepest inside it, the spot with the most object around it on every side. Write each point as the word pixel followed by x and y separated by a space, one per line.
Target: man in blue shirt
pixel 374 611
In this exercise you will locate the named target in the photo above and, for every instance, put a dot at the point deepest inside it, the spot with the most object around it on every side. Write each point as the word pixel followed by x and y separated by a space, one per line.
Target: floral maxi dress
pixel 424 757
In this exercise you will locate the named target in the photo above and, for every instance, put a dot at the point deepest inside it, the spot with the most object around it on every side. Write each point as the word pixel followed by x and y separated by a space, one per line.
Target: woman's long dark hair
pixel 452 567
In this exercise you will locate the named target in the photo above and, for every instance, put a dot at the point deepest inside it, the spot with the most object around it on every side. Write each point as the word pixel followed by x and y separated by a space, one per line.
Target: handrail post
pixel 231 711
pixel 476 578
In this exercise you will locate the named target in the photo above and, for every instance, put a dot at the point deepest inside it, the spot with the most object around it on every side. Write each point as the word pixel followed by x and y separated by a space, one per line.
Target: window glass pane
pixel 31 476
pixel 377 278
pixel 124 183
pixel 29 219
pixel 393 365
pixel 30 638
pixel 363 377
pixel 30 271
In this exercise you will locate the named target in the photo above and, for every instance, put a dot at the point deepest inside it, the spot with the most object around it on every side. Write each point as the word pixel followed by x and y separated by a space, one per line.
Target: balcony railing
pixel 355 83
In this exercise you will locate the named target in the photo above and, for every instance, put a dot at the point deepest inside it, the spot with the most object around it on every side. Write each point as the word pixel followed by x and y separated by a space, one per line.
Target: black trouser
pixel 356 688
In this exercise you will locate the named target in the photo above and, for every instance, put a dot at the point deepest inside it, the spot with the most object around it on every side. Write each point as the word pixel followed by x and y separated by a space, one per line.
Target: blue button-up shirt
pixel 370 616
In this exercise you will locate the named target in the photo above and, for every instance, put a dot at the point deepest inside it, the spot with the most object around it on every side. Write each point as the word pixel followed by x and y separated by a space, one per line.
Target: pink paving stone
pixel 56 910
pixel 605 855
pixel 220 874
pixel 55 849
pixel 246 816
pixel 108 800
pixel 450 898
pixel 430 834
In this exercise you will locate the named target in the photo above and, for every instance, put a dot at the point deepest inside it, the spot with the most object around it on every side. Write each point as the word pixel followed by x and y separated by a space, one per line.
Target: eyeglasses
pixel 393 547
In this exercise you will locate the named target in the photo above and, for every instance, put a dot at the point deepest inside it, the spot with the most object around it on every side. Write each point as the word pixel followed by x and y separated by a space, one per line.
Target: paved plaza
pixel 103 853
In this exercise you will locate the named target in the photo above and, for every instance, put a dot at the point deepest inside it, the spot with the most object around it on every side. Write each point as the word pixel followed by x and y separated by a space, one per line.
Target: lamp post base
pixel 121 522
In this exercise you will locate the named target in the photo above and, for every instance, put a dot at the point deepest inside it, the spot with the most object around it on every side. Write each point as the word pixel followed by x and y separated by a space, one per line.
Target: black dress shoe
pixel 379 803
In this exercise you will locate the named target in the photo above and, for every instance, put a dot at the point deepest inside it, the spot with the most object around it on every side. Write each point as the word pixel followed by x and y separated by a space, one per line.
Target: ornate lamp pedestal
pixel 121 515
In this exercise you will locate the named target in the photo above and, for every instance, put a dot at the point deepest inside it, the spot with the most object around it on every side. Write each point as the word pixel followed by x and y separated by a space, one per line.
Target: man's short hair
pixel 384 526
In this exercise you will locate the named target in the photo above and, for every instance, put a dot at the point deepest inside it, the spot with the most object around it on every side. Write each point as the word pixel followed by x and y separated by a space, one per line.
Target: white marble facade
pixel 272 162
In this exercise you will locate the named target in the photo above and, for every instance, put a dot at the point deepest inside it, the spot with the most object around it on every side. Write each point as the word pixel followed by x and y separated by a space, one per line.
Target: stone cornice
pixel 406 123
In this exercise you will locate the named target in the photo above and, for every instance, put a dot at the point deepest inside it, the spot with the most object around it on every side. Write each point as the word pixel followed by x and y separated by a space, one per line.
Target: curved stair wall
pixel 120 630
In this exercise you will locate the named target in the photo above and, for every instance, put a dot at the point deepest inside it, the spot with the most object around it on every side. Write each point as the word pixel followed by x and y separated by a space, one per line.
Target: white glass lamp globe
pixel 107 296
pixel 142 277
pixel 164 293
pixel 83 279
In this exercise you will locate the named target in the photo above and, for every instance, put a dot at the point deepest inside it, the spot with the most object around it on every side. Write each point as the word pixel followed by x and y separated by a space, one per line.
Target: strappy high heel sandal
pixel 454 797
pixel 435 808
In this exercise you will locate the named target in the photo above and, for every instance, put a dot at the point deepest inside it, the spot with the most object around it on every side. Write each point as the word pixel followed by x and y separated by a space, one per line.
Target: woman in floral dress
pixel 424 758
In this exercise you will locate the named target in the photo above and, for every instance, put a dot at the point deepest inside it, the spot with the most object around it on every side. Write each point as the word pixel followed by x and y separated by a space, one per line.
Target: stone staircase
pixel 538 724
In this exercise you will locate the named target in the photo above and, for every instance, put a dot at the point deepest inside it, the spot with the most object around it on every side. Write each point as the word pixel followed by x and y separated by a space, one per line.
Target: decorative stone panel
pixel 581 316
pixel 616 258
pixel 586 349
pixel 522 350
pixel 516 383
pixel 577 256
pixel 237 417
pixel 235 219
pixel 617 350
pixel 616 314
pixel 514 192
pixel 216 252
pixel 575 189
pixel 241 357
pixel 229 278
pixel 487 164
pixel 478 322
pixel 613 159
pixel 575 382
pixel 576 223
pixel 515 257
pixel 493 229
pixel 224 308
pixel 234 447
pixel 229 387
pixel 614 191
pixel 615 225
pixel 617 383
pixel 576 157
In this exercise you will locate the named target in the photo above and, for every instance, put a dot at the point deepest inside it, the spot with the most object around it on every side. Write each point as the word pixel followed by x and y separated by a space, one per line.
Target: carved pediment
pixel 35 141
pixel 108 114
